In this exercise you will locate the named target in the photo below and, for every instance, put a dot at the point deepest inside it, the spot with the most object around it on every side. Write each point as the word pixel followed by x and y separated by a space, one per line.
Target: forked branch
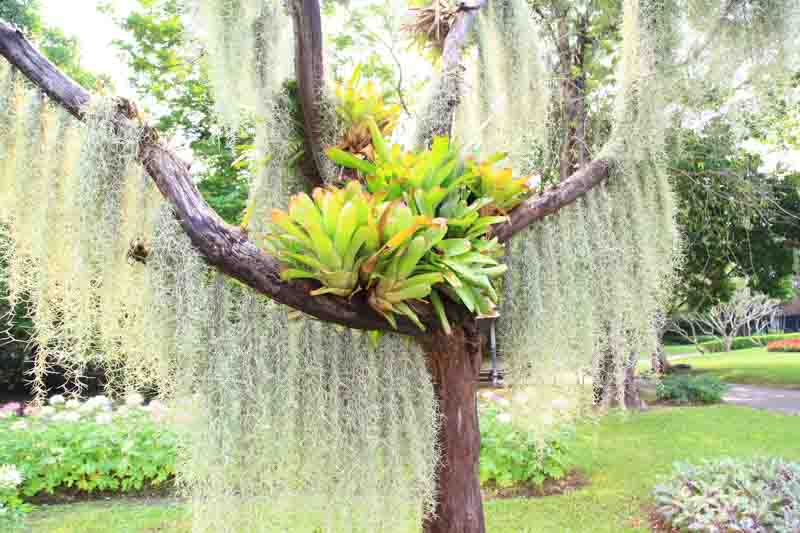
pixel 309 71
pixel 223 246
pixel 227 247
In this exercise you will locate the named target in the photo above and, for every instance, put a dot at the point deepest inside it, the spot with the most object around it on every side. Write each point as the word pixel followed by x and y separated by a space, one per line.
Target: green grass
pixel 679 349
pixel 754 366
pixel 622 455
pixel 113 516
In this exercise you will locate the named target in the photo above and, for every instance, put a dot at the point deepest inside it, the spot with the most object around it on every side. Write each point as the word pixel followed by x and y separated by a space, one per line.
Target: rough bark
pixel 454 362
pixel 225 247
pixel 309 70
pixel 606 387
pixel 445 100
pixel 540 206
pixel 574 149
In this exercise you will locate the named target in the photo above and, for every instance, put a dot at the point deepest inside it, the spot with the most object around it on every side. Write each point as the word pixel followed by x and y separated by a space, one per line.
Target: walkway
pixel 784 400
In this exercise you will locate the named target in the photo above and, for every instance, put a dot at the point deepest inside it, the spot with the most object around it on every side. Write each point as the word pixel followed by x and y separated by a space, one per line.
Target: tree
pixel 61 49
pixel 615 210
pixel 169 70
pixel 737 219
pixel 744 314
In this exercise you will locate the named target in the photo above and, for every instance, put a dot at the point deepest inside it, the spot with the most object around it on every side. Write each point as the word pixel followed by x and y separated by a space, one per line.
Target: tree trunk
pixel 607 386
pixel 454 362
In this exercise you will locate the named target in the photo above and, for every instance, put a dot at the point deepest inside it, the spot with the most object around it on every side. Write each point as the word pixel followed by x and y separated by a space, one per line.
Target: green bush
pixel 756 495
pixel 742 343
pixel 12 507
pixel 511 457
pixel 88 446
pixel 690 389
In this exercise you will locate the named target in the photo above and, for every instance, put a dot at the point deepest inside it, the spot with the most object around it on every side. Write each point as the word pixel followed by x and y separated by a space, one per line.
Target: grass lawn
pixel 754 366
pixel 622 455
pixel 679 349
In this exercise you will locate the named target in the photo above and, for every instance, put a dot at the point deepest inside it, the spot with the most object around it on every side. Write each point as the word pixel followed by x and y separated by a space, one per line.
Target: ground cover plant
pixel 512 456
pixel 605 451
pixel 684 388
pixel 755 495
pixel 73 447
pixel 754 366
pixel 12 507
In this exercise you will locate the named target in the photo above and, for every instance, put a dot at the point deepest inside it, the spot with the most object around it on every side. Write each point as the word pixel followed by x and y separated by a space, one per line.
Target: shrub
pixel 742 343
pixel 690 389
pixel 756 495
pixel 788 345
pixel 510 456
pixel 88 446
pixel 11 505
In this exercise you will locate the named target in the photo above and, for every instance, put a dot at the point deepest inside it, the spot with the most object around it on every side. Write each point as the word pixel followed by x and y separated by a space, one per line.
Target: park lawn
pixel 622 455
pixel 124 515
pixel 679 349
pixel 753 366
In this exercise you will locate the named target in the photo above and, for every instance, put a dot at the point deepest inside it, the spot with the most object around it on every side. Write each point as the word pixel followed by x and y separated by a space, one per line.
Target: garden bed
pixel 573 480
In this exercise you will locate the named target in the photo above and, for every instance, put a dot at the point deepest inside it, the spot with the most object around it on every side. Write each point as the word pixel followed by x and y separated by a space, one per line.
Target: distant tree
pixel 169 70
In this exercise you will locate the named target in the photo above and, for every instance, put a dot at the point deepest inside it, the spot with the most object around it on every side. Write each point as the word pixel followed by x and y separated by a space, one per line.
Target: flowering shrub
pixel 88 446
pixel 788 345
pixel 511 456
pixel 11 505
pixel 756 495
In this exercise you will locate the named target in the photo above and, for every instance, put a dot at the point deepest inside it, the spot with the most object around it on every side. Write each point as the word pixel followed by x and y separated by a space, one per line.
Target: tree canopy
pixel 307 423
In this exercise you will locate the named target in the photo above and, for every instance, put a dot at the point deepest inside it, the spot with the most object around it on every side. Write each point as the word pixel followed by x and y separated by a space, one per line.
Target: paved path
pixel 784 400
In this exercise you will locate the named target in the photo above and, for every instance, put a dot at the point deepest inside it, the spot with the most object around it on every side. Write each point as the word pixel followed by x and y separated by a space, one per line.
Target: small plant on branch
pixel 432 22
pixel 356 102
pixel 418 229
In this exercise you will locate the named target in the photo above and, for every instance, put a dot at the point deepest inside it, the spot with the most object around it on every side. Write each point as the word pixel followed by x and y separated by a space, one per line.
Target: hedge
pixel 742 343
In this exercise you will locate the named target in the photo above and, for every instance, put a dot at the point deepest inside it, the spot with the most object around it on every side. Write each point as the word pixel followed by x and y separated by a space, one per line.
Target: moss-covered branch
pixel 438 118
pixel 309 71
pixel 223 246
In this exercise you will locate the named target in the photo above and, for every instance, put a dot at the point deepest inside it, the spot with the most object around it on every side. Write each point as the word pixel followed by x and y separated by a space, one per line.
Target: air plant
pixel 432 22
pixel 436 183
pixel 500 185
pixel 356 103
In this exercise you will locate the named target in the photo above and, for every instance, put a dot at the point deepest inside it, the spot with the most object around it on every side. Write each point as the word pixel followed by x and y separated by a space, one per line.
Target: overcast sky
pixel 95 31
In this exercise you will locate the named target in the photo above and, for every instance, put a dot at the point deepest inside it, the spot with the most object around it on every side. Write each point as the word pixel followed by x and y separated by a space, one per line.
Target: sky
pixel 95 31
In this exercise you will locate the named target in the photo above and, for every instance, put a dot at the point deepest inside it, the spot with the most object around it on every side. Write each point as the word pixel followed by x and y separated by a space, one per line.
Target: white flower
pixel 560 403
pixel 10 477
pixel 72 404
pixel 57 400
pixel 520 397
pixel 20 424
pixel 46 411
pixel 103 418
pixel 67 416
pixel 502 402
pixel 134 399
pixel 505 418
pixel 5 414
pixel 96 403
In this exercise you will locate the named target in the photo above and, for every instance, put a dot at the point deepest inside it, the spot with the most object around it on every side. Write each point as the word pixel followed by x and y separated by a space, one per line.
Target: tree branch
pixel 565 193
pixel 223 246
pixel 309 71
pixel 448 92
